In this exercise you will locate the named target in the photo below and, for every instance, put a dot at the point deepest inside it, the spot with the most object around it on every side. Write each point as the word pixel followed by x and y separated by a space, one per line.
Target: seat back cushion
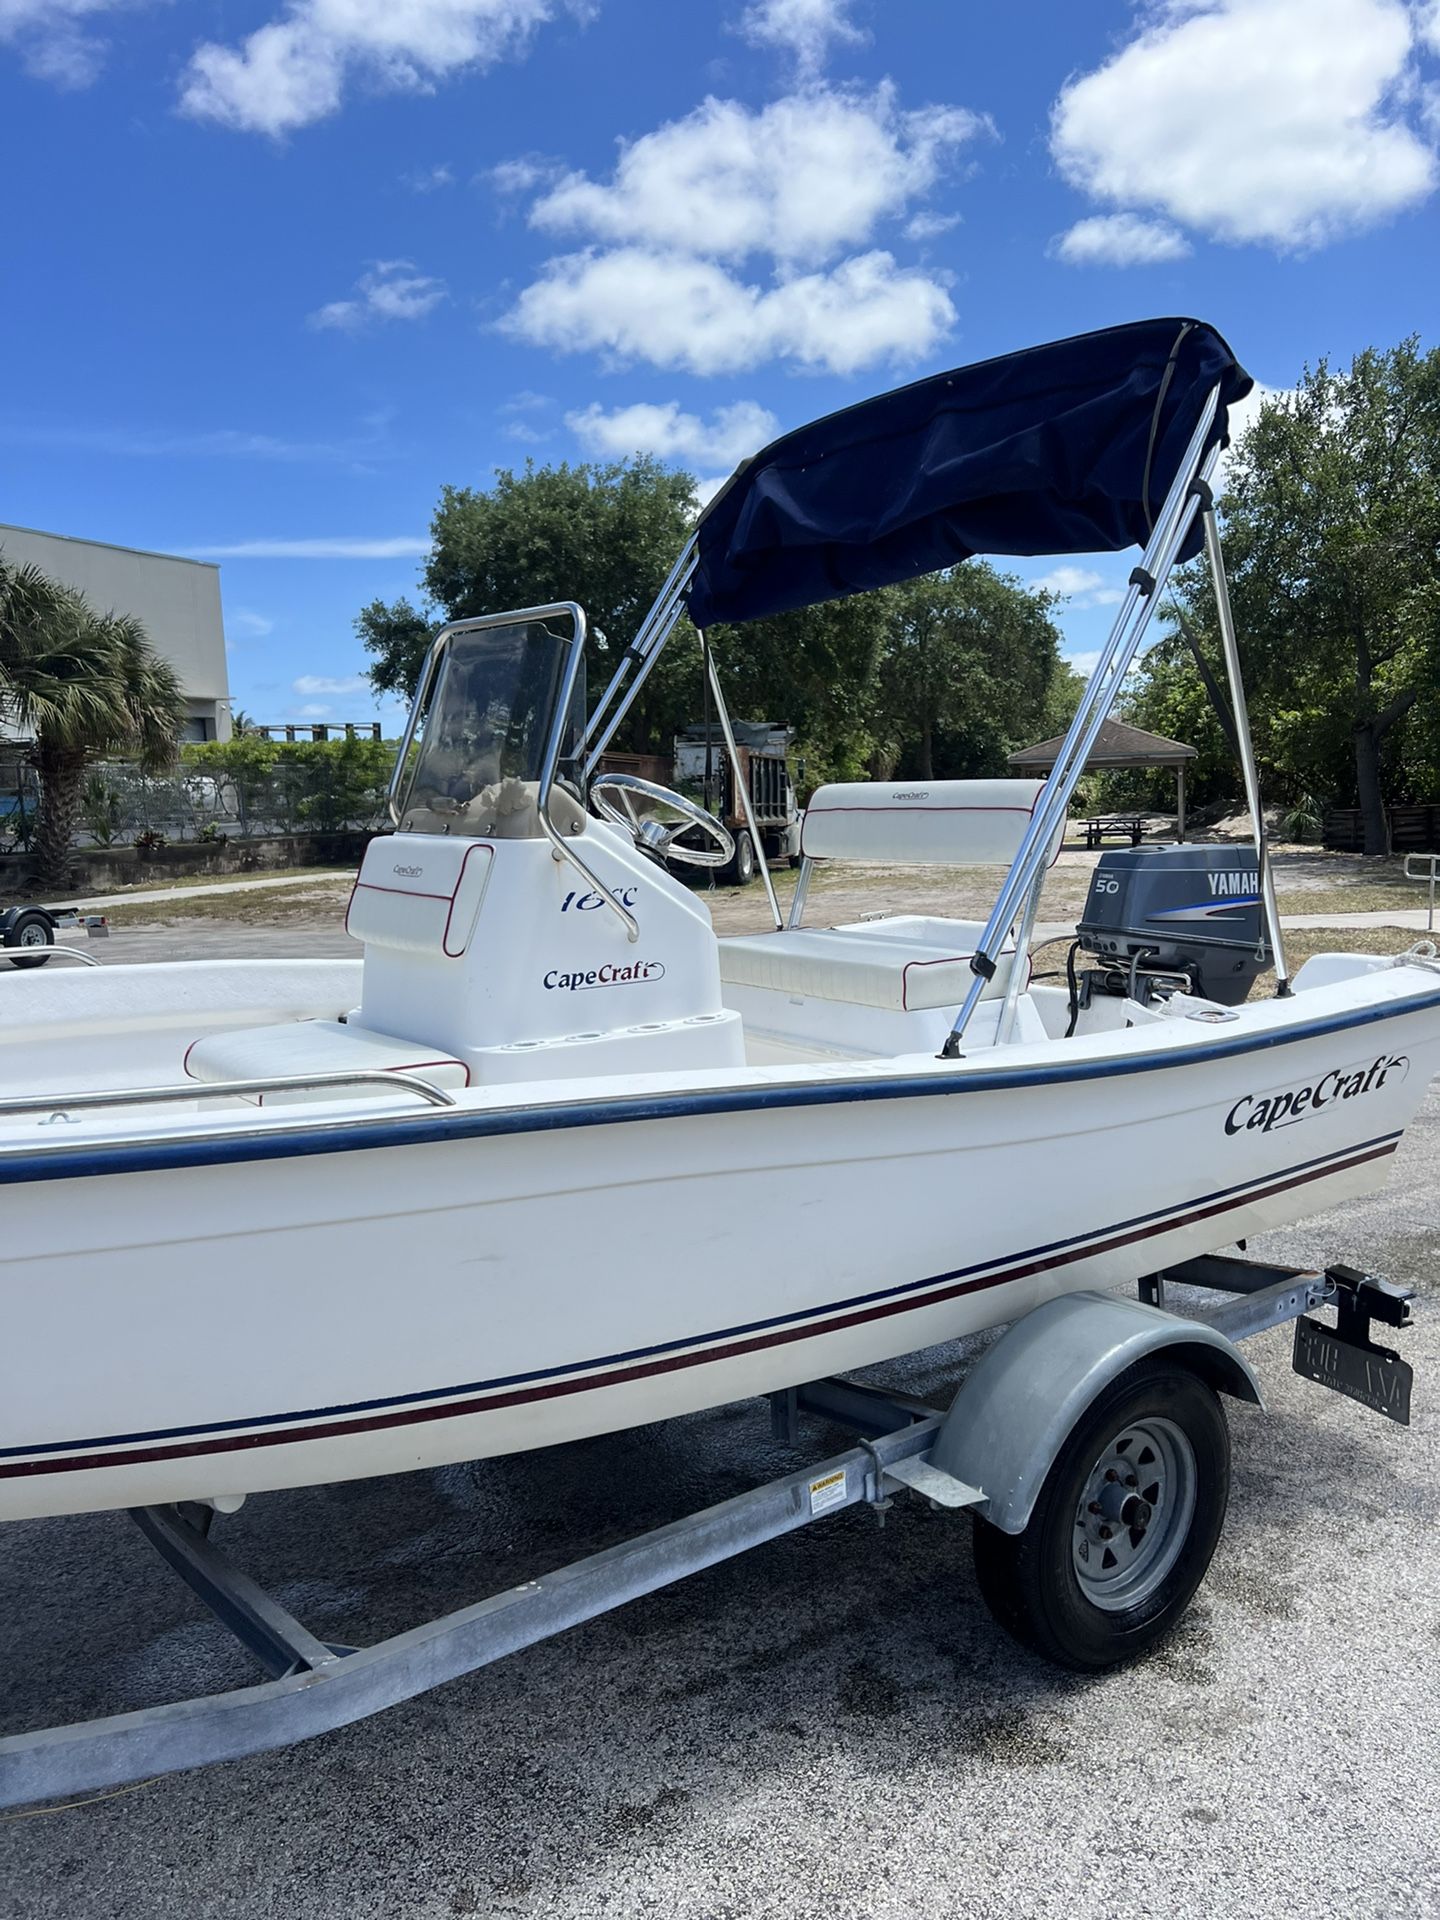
pixel 959 823
pixel 419 893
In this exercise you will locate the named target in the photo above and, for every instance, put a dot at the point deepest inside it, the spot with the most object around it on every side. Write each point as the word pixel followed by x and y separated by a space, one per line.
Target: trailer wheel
pixel 30 931
pixel 1124 1527
pixel 741 870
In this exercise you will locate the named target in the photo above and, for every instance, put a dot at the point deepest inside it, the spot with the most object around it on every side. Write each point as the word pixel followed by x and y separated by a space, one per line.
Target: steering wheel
pixel 657 817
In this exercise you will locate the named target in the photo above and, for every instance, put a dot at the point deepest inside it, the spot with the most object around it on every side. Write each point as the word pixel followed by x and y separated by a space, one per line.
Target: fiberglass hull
pixel 194 1315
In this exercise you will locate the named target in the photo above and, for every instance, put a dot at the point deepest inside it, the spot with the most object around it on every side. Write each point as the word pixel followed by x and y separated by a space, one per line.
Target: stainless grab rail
pixel 1434 863
pixel 57 952
pixel 224 1089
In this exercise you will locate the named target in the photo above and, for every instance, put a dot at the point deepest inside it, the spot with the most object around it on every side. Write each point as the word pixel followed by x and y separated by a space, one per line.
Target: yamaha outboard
pixel 1179 916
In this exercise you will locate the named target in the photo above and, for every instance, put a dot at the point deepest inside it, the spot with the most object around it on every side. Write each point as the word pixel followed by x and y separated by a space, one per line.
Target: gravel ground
pixel 830 1727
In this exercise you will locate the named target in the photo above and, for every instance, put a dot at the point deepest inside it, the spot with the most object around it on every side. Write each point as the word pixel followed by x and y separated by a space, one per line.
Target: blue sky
pixel 279 269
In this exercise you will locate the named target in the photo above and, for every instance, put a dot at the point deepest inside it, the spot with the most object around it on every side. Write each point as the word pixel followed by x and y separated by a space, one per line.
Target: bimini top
pixel 1067 448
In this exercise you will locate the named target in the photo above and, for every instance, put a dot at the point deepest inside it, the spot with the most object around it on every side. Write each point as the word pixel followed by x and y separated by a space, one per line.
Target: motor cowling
pixel 1191 910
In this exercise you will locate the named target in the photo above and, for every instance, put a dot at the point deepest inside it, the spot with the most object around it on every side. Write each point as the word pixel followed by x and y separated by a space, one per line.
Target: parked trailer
pixel 27 934
pixel 1088 1443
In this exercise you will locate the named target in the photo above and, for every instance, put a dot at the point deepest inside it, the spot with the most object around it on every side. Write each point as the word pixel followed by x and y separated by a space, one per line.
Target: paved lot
pixel 831 1728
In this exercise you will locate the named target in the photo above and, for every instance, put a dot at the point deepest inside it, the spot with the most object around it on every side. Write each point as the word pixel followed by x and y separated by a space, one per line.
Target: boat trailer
pixel 1006 1430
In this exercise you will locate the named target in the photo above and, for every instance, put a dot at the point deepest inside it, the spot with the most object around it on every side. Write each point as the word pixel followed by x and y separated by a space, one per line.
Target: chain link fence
pixel 236 789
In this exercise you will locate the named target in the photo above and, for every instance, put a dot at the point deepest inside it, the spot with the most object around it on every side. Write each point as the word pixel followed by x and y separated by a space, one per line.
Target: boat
pixel 552 1159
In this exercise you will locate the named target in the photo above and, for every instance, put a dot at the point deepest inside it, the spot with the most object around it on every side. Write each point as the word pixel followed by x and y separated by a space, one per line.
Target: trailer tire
pixel 741 870
pixel 1083 1586
pixel 34 933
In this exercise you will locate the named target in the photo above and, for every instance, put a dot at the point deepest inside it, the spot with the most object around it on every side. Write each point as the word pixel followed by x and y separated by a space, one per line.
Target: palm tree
pixel 85 684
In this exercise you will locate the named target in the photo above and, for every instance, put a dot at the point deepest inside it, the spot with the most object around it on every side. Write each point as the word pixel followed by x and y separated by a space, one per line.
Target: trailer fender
pixel 1022 1399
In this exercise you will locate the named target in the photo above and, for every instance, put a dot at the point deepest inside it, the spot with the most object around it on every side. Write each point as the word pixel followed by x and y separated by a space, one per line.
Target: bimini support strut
pixel 638 658
pixel 1244 745
pixel 1147 582
pixel 738 781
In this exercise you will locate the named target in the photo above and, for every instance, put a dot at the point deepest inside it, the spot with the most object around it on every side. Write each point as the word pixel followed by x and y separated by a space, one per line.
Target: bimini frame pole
pixel 1245 746
pixel 1146 583
pixel 738 781
pixel 638 658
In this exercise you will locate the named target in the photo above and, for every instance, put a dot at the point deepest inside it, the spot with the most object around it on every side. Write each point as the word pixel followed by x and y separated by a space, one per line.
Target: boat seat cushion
pixel 905 964
pixel 317 1046
pixel 419 893
pixel 931 823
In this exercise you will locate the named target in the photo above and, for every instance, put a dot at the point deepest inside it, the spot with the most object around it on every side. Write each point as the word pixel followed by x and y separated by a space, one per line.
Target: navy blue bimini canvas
pixel 1067 448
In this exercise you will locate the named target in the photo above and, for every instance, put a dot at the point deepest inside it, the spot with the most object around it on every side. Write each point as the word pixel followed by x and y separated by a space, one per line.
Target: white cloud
pixel 730 436
pixel 790 186
pixel 800 179
pixel 1081 586
pixel 316 712
pixel 1120 240
pixel 391 290
pixel 929 226
pixel 679 312
pixel 1427 24
pixel 54 39
pixel 296 69
pixel 803 28
pixel 255 625
pixel 1084 662
pixel 707 488
pixel 524 174
pixel 430 179
pixel 220 443
pixel 313 683
pixel 1275 122
pixel 337 549
pixel 526 402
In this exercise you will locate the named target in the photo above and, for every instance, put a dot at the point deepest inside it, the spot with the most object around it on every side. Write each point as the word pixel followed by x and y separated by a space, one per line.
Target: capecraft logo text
pixel 1263 1112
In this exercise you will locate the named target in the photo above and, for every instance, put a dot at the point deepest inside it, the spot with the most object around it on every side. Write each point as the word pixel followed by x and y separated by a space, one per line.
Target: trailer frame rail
pixel 313 1686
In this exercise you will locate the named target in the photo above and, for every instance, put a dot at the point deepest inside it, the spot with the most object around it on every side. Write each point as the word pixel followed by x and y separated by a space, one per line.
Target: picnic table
pixel 1105 827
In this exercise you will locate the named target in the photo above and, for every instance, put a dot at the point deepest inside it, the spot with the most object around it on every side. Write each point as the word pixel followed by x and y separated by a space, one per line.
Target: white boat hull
pixel 215 1306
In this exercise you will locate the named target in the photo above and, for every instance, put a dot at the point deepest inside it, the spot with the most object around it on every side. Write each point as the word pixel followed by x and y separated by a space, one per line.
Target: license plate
pixel 1376 1377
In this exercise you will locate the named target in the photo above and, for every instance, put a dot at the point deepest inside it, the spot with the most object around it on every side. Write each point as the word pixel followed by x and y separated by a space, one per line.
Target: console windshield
pixel 486 729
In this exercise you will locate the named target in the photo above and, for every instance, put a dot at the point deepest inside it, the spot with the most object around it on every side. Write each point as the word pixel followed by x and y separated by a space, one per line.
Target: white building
pixel 176 601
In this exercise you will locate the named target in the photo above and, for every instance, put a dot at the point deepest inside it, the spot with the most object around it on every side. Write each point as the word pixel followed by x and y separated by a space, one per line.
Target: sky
pixel 276 271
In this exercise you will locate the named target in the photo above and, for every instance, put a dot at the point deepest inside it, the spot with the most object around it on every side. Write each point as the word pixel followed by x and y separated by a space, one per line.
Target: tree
pixel 1332 539
pixel 86 684
pixel 965 674
pixel 606 536
pixel 609 535
pixel 812 670
pixel 399 637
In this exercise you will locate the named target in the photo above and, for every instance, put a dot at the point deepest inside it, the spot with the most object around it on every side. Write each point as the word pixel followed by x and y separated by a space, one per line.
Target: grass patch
pixel 265 907
pixel 188 880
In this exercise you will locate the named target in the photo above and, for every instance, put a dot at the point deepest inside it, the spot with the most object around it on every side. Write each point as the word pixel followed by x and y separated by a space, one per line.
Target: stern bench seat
pixel 906 964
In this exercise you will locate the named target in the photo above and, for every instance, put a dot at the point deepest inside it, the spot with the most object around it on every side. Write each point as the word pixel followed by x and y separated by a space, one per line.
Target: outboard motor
pixel 1176 917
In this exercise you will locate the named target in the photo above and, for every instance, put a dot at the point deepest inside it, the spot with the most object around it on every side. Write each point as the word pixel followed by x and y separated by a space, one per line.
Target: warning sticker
pixel 827 1492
